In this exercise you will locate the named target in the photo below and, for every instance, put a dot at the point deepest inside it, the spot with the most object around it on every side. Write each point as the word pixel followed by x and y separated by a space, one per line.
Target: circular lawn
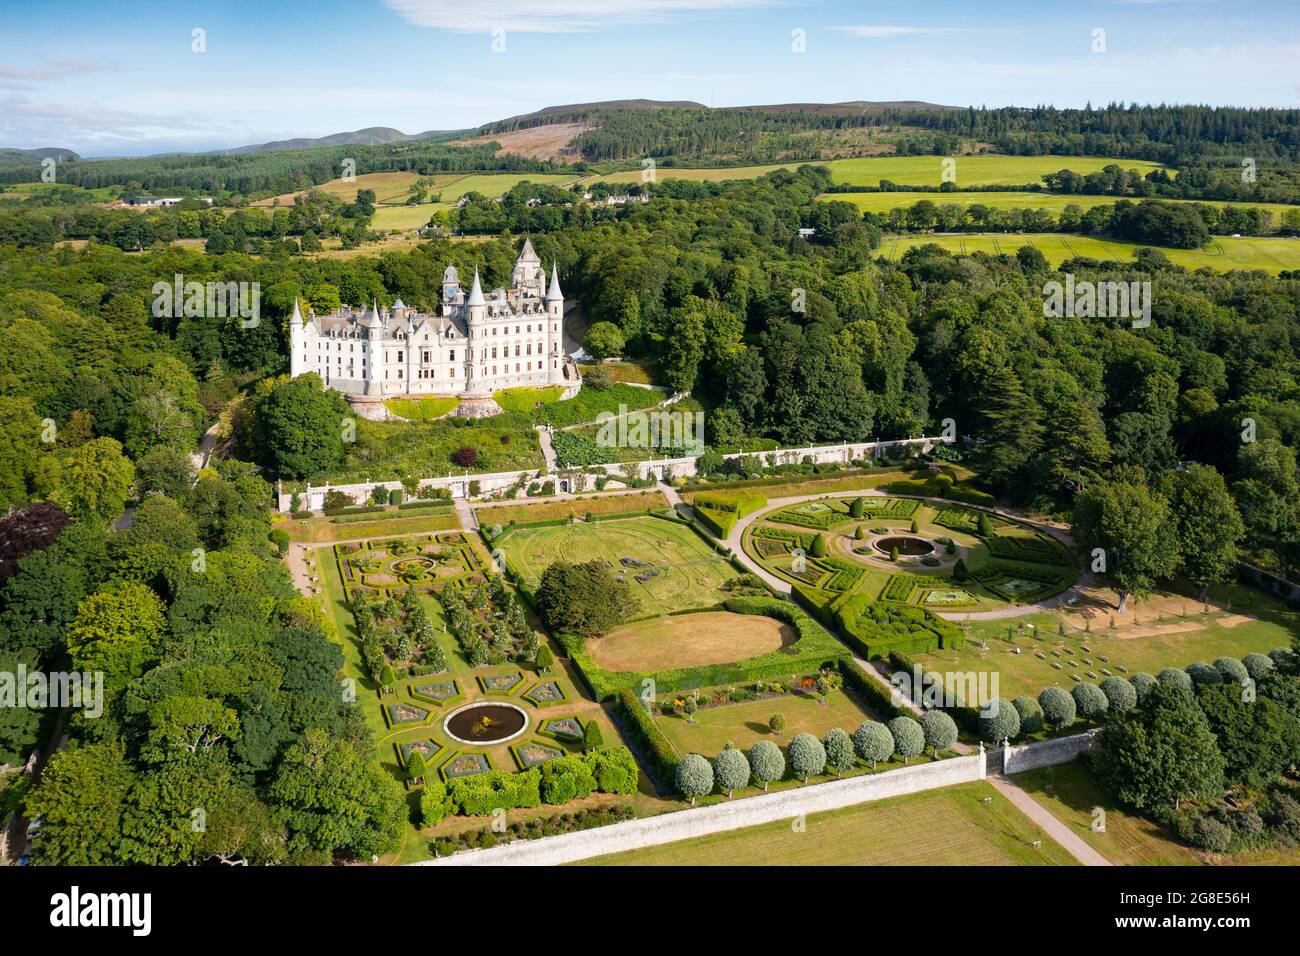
pixel 689 640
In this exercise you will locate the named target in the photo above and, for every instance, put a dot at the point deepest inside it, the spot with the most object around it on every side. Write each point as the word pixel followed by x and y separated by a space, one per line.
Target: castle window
pixel 400 358
pixel 451 356
pixel 516 366
pixel 494 353
pixel 453 373
pixel 399 373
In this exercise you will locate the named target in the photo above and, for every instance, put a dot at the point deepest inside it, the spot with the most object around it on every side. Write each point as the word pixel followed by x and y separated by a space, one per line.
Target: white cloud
pixel 553 16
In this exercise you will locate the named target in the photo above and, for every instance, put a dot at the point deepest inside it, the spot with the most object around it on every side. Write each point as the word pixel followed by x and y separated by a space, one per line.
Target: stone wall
pixel 1046 753
pixel 729 815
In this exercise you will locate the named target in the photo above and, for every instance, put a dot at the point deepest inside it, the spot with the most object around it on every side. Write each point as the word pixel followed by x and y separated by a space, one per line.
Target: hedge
pixel 481 794
pixel 645 733
pixel 874 694
pixel 876 628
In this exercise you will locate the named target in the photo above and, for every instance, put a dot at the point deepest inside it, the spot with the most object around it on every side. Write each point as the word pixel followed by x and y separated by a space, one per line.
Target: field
pixel 388 218
pixel 1222 254
pixel 690 640
pixel 1072 793
pixel 578 507
pixel 909 170
pixel 744 724
pixel 1052 202
pixel 949 827
pixel 1167 631
pixel 687 574
pixel 537 142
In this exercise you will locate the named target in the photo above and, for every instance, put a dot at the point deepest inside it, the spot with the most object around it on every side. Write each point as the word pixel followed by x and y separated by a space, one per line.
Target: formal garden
pixel 382 567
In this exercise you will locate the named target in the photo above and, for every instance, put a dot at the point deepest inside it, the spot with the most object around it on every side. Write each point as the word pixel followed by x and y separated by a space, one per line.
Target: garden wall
pixel 1046 753
pixel 730 815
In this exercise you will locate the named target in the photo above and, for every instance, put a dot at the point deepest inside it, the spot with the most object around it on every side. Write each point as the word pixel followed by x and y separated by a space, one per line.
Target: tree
pixel 435 805
pixel 999 721
pixel 300 426
pixel 690 705
pixel 604 340
pixel 694 777
pixel 1132 526
pixel 81 799
pixel 1121 695
pixel 1031 715
pixel 592 738
pixel 1161 753
pixel 858 509
pixel 94 480
pixel 1142 684
pixel 1173 677
pixel 873 741
pixel 1089 701
pixel 1268 490
pixel 1232 670
pixel 545 659
pixel 819 548
pixel 583 599
pixel 416 768
pixel 806 755
pixel 731 770
pixel 1058 707
pixel 1258 739
pixel 776 724
pixel 117 631
pixel 1207 526
pixel 839 750
pixel 766 762
pixel 940 730
pixel 909 738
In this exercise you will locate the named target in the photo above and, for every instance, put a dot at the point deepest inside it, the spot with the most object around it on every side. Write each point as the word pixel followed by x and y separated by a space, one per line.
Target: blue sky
pixel 121 78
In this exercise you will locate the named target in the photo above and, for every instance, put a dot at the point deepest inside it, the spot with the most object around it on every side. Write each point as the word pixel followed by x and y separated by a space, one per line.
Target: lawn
pixel 421 409
pixel 744 724
pixel 1052 202
pixel 578 507
pixel 404 217
pixel 1222 254
pixel 526 399
pixel 688 573
pixel 497 184
pixel 1072 794
pixel 689 640
pixel 965 825
pixel 389 523
pixel 1169 630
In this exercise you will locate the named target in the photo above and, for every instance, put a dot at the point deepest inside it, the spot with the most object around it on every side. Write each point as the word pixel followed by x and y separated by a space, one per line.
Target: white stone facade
pixel 476 345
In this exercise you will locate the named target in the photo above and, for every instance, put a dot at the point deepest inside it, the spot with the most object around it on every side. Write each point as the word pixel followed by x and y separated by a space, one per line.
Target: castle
pixel 476 345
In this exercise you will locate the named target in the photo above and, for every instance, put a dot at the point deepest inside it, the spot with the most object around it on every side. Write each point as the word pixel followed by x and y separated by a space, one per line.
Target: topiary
pixel 1231 670
pixel 909 738
pixel 1121 695
pixel 1173 677
pixel 819 548
pixel 1058 707
pixel 940 730
pixel 766 762
pixel 1031 715
pixel 1089 700
pixel 999 720
pixel 1203 674
pixel 858 508
pixel 694 777
pixel 873 741
pixel 840 755
pixel 806 755
pixel 731 770
pixel 1257 665
pixel 959 572
pixel 1142 684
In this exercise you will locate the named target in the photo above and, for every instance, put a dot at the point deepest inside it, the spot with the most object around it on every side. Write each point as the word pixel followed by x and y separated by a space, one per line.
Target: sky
pixel 135 77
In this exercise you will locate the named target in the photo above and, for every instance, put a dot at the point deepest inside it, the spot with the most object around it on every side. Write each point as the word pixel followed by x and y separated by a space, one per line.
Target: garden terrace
pixel 379 567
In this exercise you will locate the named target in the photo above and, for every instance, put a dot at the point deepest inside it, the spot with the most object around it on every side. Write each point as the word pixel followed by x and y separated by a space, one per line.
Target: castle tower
pixel 450 284
pixel 297 342
pixel 374 327
pixel 528 272
pixel 554 328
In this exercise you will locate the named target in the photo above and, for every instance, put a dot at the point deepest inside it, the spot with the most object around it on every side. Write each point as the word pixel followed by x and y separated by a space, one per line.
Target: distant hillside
pixel 18 156
pixel 370 136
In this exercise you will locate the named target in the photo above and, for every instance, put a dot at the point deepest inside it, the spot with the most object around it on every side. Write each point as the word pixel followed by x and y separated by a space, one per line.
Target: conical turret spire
pixel 554 292
pixel 475 292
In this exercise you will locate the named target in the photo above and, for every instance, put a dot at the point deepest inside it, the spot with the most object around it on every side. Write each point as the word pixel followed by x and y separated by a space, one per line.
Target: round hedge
pixel 1001 722
pixel 1090 701
pixel 1143 683
pixel 1058 707
pixel 694 777
pixel 1120 694
pixel 1173 677
pixel 909 738
pixel 873 741
pixel 1231 670
pixel 1203 674
pixel 806 755
pixel 939 729
pixel 1257 665
pixel 839 750
pixel 766 762
pixel 731 770
pixel 1031 715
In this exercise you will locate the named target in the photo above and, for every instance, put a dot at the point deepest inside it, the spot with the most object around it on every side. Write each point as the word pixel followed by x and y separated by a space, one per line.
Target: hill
pixel 370 136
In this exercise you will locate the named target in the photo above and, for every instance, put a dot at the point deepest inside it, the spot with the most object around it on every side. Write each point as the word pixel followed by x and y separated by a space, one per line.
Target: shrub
pixel 858 508
pixel 1058 707
pixel 645 733
pixel 592 738
pixel 776 723
pixel 819 547
pixel 379 495
pixel 1142 684
pixel 1000 723
pixel 731 770
pixel 434 803
pixel 916 526
pixel 694 777
pixel 984 524
pixel 959 572
pixel 839 750
pixel 806 755
pixel 1209 834
pixel 281 541
pixel 1173 677
pixel 465 456
pixel 545 659
pixel 479 795
pixel 873 741
pixel 415 766
pixel 939 729
pixel 1031 715
pixel 1090 701
pixel 1257 665
pixel 766 762
pixel 565 779
pixel 1232 670
pixel 909 738
pixel 1203 674
pixel 1121 695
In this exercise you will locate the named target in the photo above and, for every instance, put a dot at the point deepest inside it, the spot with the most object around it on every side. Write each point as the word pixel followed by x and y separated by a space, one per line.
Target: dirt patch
pixel 539 142
pixel 1131 632
pixel 690 640
pixel 1232 620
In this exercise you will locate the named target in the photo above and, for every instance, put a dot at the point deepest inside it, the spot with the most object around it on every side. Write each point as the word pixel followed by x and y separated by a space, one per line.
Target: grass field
pixel 908 170
pixel 1222 254
pixel 405 217
pixel 1052 202
pixel 689 573
pixel 323 529
pixel 421 409
pixel 744 724
pixel 1166 631
pixel 949 827
pixel 690 640
pixel 1072 794
pixel 578 507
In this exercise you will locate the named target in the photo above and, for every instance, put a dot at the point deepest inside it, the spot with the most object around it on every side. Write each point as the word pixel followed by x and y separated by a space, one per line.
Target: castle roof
pixel 475 292
pixel 527 254
pixel 554 292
